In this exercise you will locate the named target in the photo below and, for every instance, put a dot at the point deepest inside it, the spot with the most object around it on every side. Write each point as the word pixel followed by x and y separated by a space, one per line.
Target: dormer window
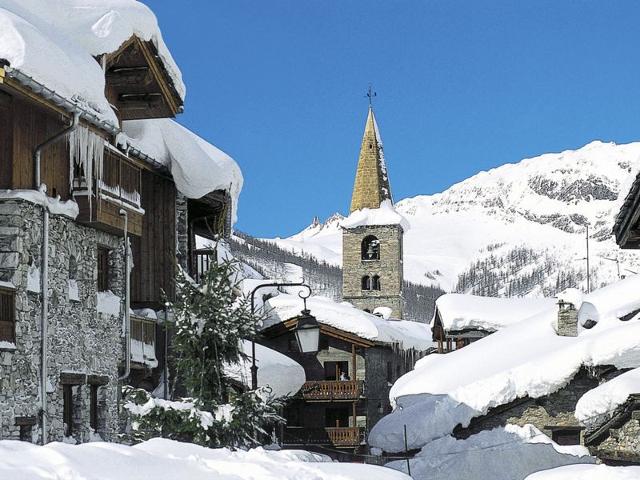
pixel 370 249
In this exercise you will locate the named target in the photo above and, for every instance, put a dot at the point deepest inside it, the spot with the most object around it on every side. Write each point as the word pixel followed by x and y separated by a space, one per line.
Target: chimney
pixel 567 319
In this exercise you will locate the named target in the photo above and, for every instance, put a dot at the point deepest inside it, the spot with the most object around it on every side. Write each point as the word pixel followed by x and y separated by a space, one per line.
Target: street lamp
pixel 254 367
pixel 307 329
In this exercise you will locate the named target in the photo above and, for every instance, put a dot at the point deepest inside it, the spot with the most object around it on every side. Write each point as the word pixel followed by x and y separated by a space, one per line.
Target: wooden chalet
pixel 346 390
pixel 92 167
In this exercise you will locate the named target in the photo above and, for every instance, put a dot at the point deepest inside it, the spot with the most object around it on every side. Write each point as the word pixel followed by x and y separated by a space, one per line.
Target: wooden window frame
pixel 7 315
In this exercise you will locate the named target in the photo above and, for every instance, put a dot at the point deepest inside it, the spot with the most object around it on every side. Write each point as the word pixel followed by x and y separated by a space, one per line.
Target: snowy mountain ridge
pixel 517 229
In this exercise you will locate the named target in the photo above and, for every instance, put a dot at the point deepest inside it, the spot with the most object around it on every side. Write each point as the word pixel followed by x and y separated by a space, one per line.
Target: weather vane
pixel 371 94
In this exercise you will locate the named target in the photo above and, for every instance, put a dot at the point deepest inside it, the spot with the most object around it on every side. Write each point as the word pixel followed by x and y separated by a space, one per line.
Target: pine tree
pixel 211 320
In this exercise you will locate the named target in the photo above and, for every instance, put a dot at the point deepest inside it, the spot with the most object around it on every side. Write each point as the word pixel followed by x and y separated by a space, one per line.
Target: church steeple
pixel 371 186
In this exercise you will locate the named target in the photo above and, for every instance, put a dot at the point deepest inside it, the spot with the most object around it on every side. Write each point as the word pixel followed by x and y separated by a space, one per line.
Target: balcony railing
pixel 335 436
pixel 202 260
pixel 143 341
pixel 331 390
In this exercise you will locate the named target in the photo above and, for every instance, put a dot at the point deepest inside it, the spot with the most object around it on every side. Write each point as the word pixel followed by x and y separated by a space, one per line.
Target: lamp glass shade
pixel 307 333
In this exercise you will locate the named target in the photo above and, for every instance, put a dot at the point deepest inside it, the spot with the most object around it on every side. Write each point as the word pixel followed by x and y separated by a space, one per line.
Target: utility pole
pixel 588 270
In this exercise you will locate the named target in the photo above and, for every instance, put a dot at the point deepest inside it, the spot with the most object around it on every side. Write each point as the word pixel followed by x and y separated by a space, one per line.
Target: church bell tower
pixel 372 271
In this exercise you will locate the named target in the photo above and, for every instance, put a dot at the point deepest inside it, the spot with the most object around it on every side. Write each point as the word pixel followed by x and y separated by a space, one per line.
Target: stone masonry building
pixel 372 269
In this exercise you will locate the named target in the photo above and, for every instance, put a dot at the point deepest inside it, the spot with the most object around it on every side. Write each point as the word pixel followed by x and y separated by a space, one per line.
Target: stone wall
pixel 555 410
pixel 85 345
pixel 389 268
pixel 623 444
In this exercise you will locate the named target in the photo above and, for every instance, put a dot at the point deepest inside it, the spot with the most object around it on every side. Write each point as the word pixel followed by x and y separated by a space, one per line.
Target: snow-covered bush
pixel 240 423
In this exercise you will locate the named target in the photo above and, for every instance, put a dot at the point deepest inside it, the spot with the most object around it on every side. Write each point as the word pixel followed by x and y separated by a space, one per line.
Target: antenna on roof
pixel 371 94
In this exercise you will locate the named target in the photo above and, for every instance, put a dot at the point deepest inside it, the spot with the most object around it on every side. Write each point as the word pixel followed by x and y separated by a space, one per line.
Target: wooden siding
pixel 6 140
pixel 154 252
pixel 32 124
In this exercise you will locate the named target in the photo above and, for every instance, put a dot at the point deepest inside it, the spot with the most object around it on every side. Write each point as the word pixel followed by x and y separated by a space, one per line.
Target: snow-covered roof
pixel 386 214
pixel 526 359
pixel 601 402
pixel 280 373
pixel 459 311
pixel 170 459
pixel 55 43
pixel 346 317
pixel 197 166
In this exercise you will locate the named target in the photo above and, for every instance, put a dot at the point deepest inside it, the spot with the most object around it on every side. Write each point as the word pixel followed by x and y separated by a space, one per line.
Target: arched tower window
pixel 366 282
pixel 370 249
pixel 375 282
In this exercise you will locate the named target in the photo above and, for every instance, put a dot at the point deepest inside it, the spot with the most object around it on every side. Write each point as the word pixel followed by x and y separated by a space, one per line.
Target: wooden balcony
pixel 119 188
pixel 334 436
pixel 331 390
pixel 143 342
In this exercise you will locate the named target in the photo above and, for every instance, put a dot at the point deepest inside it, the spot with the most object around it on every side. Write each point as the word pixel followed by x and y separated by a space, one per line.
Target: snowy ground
pixel 587 472
pixel 170 460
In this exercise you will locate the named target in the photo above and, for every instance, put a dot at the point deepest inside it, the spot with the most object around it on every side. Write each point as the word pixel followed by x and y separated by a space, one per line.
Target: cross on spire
pixel 371 94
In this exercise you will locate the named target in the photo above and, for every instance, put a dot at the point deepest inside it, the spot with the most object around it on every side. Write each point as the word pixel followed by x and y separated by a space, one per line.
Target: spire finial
pixel 371 94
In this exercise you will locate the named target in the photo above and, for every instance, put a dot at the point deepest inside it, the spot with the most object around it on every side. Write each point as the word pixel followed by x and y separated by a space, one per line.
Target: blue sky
pixel 462 86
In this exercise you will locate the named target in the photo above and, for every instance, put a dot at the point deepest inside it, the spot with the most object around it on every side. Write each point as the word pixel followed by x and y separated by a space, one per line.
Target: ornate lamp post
pixel 307 330
pixel 254 367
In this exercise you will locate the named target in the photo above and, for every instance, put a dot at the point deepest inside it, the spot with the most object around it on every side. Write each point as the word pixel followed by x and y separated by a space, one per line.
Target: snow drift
pixel 171 460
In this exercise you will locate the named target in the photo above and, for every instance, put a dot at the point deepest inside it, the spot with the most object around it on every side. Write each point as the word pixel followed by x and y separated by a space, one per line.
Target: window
pixel 103 269
pixel 569 436
pixel 366 282
pixel 93 408
pixel 336 417
pixel 375 282
pixel 332 370
pixel 7 316
pixel 73 268
pixel 67 414
pixel 370 248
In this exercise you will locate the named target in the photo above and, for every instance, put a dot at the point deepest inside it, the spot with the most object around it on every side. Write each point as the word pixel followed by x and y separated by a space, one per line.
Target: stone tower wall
pixel 84 343
pixel 388 267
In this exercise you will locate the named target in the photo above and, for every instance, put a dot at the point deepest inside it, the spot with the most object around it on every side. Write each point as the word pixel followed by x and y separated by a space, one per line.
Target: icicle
pixel 86 149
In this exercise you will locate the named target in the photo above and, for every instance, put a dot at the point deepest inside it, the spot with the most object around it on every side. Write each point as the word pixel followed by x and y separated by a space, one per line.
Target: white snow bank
pixel 587 472
pixel 385 215
pixel 600 403
pixel 459 311
pixel 249 284
pixel 526 359
pixel 384 312
pixel 43 39
pixel 346 317
pixel 611 302
pixel 108 303
pixel 170 460
pixel 280 373
pixel 197 167
pixel 508 453
pixel 68 208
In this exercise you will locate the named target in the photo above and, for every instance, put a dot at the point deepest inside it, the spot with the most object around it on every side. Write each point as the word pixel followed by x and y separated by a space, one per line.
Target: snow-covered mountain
pixel 519 229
